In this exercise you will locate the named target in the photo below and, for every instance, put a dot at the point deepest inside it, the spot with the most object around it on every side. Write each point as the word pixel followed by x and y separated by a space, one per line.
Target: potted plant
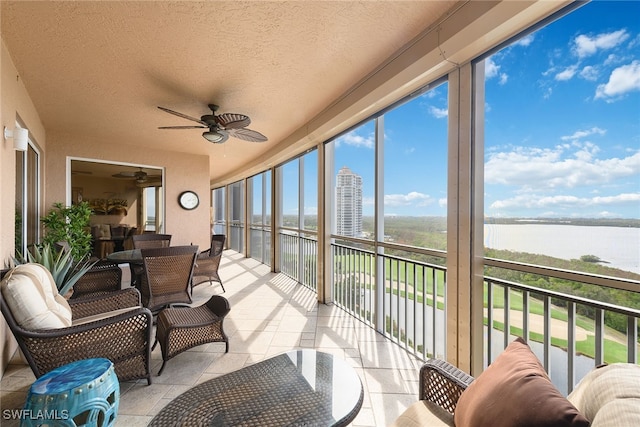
pixel 69 224
pixel 60 263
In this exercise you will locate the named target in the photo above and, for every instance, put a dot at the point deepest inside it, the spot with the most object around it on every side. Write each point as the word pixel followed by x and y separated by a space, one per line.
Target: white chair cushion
pixel 31 294
pixel 101 316
pixel 610 396
pixel 424 414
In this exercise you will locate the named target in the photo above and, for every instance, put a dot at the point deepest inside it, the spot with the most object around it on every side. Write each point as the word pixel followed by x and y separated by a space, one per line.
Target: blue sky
pixel 562 127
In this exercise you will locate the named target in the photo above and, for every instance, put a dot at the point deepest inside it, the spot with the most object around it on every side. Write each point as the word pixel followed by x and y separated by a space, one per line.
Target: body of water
pixel 619 247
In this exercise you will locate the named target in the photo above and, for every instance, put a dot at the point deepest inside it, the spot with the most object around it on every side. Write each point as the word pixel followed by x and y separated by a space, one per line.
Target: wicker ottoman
pixel 179 329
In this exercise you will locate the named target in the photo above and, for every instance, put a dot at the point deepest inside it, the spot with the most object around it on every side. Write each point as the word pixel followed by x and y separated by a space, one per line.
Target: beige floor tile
pixel 141 399
pixel 227 362
pixel 270 314
pixel 386 381
pixel 286 339
pixel 365 418
pixel 388 406
pixel 340 337
pixel 124 420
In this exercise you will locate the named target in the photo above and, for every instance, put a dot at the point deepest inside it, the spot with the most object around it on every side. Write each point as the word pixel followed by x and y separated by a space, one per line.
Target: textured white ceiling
pixel 101 68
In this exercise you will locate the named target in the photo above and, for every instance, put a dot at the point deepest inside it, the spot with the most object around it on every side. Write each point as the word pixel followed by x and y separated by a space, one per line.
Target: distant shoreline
pixel 589 222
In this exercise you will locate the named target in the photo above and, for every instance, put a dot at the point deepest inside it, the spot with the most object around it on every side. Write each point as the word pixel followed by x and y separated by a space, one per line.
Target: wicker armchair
pixel 207 263
pixel 102 278
pixel 124 336
pixel 167 276
pixel 148 241
pixel 441 385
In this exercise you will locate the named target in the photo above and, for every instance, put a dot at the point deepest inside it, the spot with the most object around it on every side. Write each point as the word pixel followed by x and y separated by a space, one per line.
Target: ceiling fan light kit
pixel 220 127
pixel 215 137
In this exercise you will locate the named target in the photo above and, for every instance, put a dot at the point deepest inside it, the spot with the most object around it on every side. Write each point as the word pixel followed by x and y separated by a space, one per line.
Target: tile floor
pixel 270 314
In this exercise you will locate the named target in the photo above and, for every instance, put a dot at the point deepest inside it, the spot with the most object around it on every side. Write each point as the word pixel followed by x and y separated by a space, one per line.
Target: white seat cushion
pixel 31 294
pixel 101 316
pixel 610 396
pixel 424 413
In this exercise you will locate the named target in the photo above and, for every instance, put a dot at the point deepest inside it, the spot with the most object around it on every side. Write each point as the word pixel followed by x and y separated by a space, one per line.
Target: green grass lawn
pixel 410 274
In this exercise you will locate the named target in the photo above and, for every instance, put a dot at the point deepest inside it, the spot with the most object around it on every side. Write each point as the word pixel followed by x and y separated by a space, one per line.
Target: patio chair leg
pixel 155 343
pixel 161 367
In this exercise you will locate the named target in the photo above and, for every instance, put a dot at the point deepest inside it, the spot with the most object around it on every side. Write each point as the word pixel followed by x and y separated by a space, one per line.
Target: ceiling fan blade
pixel 124 175
pixel 184 116
pixel 247 135
pixel 233 120
pixel 181 127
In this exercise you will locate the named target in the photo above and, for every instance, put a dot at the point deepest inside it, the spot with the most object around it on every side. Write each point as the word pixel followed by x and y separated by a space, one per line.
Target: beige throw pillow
pixel 31 294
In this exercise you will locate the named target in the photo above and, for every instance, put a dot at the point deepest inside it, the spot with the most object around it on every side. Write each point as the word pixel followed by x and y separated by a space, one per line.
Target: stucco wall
pixel 15 104
pixel 182 172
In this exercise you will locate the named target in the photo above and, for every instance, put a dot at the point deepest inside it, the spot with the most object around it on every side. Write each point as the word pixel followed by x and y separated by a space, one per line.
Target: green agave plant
pixel 63 268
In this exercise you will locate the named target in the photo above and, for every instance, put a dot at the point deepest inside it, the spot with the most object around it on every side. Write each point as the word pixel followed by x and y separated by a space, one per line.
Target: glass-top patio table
pixel 133 256
pixel 299 387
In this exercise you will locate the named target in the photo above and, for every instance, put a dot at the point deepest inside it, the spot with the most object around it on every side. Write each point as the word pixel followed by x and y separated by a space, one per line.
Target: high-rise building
pixel 348 203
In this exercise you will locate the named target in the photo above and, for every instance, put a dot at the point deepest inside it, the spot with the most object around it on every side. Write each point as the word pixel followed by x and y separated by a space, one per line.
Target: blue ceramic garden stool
pixel 82 393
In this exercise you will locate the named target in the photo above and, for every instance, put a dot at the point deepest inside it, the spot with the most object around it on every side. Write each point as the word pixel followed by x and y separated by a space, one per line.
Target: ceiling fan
pixel 221 127
pixel 140 176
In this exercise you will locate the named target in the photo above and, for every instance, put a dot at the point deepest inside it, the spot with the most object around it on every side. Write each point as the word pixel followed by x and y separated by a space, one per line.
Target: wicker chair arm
pixel 116 337
pixel 204 254
pixel 219 305
pixel 103 303
pixel 84 328
pixel 442 383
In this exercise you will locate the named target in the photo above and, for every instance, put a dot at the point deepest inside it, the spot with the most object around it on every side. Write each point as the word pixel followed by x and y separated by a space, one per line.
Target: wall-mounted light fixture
pixel 20 138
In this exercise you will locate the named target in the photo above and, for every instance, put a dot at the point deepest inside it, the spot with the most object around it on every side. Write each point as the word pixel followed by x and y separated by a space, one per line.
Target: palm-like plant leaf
pixel 60 264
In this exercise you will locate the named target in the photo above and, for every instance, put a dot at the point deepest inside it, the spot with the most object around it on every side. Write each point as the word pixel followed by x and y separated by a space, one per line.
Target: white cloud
pixel 525 41
pixel 567 73
pixel 410 199
pixel 622 80
pixel 491 69
pixel 438 113
pixel 503 79
pixel 564 202
pixel 586 46
pixel 442 202
pixel 589 73
pixel 352 138
pixel 564 166
pixel 583 134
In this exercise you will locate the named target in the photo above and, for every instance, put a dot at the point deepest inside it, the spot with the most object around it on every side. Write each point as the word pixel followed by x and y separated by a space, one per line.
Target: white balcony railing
pixel 405 300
